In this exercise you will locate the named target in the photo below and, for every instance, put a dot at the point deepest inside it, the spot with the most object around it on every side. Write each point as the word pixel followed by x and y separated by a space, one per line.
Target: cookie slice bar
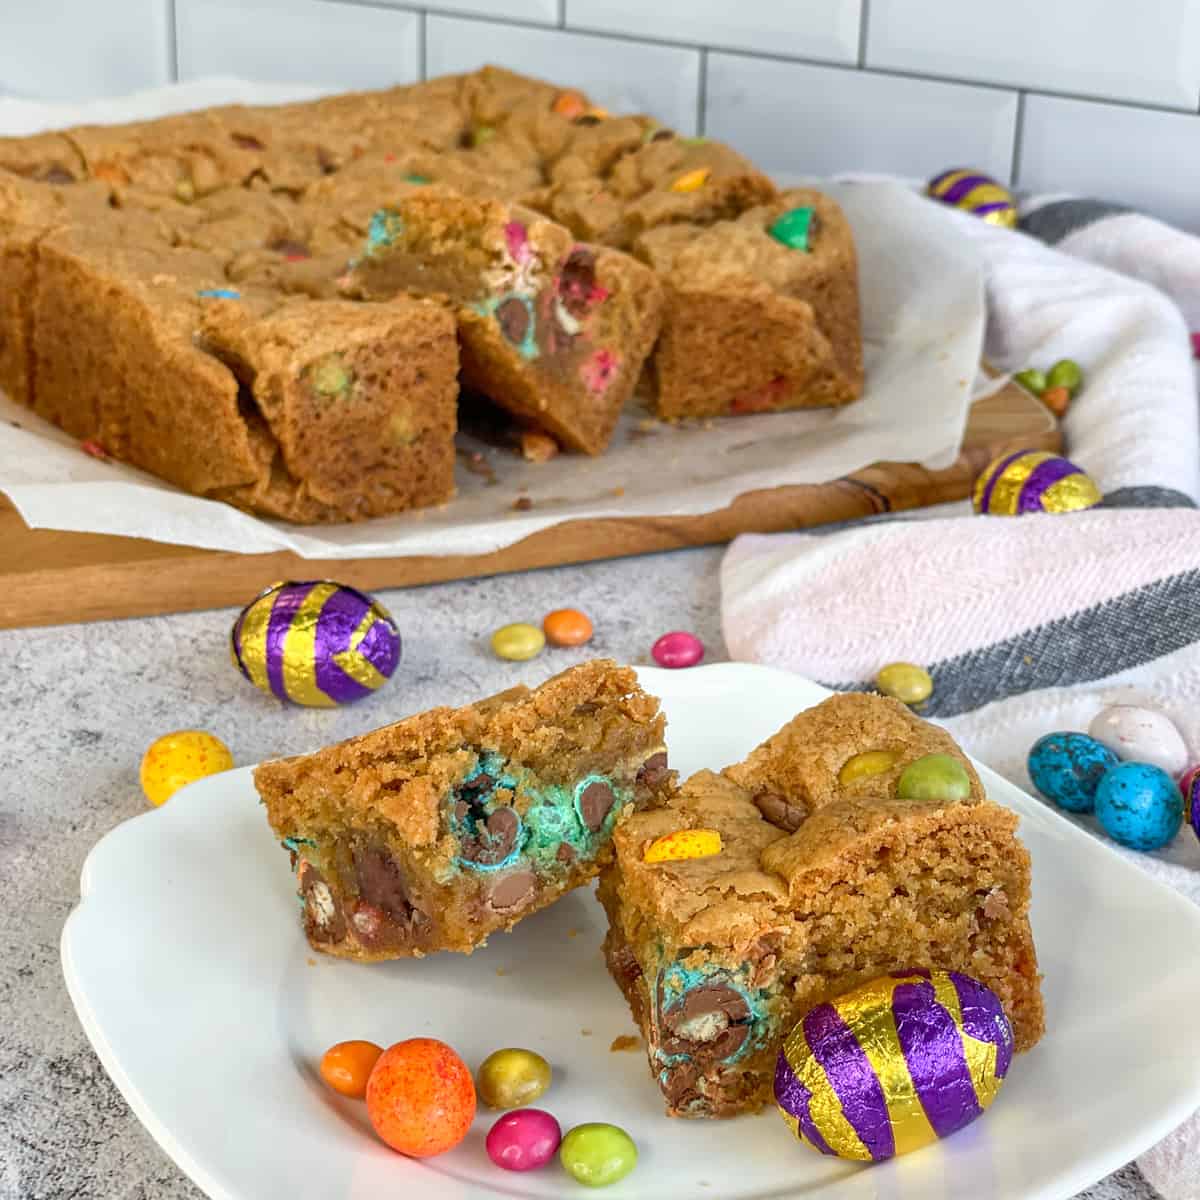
pixel 432 833
pixel 825 880
pixel 552 330
pixel 310 411
pixel 761 312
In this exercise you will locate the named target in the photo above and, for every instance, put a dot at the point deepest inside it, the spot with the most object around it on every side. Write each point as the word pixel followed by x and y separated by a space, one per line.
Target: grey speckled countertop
pixel 79 704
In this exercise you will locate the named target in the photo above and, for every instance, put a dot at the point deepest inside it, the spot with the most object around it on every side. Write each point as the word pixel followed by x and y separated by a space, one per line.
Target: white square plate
pixel 187 966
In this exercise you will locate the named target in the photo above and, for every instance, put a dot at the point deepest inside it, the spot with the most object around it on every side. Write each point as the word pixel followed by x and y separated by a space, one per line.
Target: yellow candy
pixel 691 181
pixel 179 758
pixel 518 642
pixel 862 766
pixel 905 681
pixel 683 843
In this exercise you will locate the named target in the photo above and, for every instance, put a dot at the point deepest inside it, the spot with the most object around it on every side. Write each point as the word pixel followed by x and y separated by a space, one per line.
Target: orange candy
pixel 567 627
pixel 569 105
pixel 421 1097
pixel 691 181
pixel 347 1066
pixel 1057 400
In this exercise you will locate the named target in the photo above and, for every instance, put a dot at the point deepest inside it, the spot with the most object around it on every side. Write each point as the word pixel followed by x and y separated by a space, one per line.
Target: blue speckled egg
pixel 1067 768
pixel 1139 806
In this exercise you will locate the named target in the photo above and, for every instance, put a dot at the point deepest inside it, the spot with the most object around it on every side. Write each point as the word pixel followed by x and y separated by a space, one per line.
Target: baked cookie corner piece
pixel 820 886
pixel 432 833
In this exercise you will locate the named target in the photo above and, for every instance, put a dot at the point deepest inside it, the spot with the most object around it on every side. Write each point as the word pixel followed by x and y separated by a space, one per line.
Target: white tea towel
pixel 1032 624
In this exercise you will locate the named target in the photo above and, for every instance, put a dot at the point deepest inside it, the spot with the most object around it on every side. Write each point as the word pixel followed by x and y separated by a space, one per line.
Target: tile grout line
pixel 1018 138
pixel 562 14
pixel 702 94
pixel 173 41
pixel 864 14
pixel 767 56
pixel 422 43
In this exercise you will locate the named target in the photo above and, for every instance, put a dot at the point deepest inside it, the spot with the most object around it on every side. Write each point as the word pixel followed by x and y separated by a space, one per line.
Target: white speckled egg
pixel 1142 735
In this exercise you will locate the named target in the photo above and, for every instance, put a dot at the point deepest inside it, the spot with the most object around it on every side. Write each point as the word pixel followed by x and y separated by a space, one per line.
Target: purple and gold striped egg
pixel 1032 481
pixel 316 643
pixel 1189 785
pixel 894 1064
pixel 974 192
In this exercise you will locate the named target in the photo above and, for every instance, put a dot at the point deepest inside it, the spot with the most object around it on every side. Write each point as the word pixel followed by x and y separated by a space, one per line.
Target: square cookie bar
pixel 552 330
pixel 825 879
pixel 761 312
pixel 432 833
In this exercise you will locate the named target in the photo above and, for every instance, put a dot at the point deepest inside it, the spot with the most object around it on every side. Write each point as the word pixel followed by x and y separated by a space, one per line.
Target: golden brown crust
pixel 281 198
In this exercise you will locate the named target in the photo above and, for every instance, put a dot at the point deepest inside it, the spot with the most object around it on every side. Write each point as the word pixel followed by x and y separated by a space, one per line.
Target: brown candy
pixel 495 842
pixel 324 920
pixel 513 318
pixel 780 811
pixel 709 1023
pixel 380 881
pixel 654 770
pixel 595 803
pixel 511 890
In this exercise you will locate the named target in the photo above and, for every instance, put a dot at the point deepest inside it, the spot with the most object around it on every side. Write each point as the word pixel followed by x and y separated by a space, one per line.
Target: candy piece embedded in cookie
pixel 432 833
pixel 825 879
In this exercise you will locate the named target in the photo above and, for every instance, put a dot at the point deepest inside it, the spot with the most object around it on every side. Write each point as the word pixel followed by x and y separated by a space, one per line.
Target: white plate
pixel 190 974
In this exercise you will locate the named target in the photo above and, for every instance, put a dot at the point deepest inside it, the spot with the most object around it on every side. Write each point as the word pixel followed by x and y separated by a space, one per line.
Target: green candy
pixel 1065 373
pixel 1032 380
pixel 330 377
pixel 416 179
pixel 597 1154
pixel 793 228
pixel 481 135
pixel 934 777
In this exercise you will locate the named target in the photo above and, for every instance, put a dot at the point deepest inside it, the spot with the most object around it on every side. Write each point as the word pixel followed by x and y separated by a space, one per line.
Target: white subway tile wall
pixel 622 75
pixel 298 41
pixel 1061 95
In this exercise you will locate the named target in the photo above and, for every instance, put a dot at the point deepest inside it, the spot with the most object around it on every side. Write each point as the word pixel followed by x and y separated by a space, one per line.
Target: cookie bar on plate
pixel 432 833
pixel 826 879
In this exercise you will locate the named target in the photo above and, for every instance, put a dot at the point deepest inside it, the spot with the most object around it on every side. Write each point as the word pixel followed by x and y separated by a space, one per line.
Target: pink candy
pixel 677 649
pixel 523 1139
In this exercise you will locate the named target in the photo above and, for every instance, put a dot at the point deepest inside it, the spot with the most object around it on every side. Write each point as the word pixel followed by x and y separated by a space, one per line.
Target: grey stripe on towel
pixel 1094 643
pixel 1054 221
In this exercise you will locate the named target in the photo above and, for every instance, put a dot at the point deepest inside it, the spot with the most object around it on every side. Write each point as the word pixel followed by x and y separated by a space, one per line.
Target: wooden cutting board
pixel 52 578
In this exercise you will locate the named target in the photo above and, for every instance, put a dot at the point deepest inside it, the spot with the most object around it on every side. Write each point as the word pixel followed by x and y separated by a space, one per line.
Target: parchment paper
pixel 923 322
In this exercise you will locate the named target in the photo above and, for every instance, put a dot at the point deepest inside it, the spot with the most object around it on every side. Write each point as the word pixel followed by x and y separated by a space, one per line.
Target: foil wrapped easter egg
pixel 1189 785
pixel 1031 481
pixel 316 643
pixel 894 1064
pixel 974 192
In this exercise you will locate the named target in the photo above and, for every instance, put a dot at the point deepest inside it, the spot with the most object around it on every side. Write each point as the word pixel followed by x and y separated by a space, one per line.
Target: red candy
pixel 421 1097
pixel 677 649
pixel 523 1139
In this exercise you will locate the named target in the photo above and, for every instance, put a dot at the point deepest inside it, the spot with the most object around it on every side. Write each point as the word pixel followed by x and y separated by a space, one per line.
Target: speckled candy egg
pixel 176 759
pixel 317 643
pixel 1067 768
pixel 977 193
pixel 1189 785
pixel 1139 806
pixel 1142 735
pixel 848 1073
pixel 1033 481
